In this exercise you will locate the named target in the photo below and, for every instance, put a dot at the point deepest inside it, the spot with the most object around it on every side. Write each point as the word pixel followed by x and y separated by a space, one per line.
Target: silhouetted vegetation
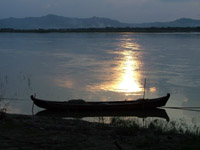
pixel 32 132
pixel 161 126
pixel 155 131
pixel 3 109
pixel 107 29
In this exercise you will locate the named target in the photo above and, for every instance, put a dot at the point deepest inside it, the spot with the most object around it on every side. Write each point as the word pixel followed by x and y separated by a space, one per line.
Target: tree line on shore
pixel 107 29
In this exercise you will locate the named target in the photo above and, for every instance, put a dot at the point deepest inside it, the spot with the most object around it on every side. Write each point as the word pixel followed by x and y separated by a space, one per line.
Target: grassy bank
pixel 32 132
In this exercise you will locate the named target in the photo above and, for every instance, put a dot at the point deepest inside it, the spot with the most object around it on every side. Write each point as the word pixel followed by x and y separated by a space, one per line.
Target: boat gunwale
pixel 88 103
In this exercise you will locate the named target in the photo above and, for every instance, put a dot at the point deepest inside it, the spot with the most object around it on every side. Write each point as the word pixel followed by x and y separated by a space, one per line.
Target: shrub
pixel 3 110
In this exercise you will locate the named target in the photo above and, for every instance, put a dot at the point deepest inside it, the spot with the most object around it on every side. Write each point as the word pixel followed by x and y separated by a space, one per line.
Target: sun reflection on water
pixel 124 76
pixel 128 78
pixel 128 82
pixel 121 73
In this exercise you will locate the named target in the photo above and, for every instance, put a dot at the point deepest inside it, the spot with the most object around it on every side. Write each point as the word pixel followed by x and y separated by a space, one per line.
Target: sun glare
pixel 128 81
pixel 120 74
pixel 124 76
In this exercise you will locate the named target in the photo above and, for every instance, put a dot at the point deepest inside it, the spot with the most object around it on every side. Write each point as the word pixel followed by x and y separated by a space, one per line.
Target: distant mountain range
pixel 60 22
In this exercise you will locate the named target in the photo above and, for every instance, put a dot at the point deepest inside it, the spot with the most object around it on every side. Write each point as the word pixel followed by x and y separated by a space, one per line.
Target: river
pixel 101 66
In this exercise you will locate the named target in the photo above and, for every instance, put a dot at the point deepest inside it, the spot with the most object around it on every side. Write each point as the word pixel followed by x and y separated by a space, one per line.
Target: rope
pixel 185 108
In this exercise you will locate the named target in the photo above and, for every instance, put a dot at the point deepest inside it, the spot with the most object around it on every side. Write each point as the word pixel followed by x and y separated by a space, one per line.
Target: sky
pixel 127 11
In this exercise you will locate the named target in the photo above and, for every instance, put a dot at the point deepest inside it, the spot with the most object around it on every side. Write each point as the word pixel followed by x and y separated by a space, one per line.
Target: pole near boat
pixel 144 88
pixel 144 97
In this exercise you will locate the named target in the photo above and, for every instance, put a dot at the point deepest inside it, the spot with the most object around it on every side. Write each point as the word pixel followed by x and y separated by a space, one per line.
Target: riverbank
pixel 106 30
pixel 33 132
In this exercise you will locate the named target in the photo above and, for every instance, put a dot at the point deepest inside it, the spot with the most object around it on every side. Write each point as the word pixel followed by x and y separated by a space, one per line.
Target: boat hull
pixel 139 104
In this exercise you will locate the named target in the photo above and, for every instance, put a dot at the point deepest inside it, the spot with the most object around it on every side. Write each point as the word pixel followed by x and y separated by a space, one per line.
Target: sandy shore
pixel 32 132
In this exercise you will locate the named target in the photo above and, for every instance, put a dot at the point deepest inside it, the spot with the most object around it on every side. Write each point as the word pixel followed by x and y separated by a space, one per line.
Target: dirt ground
pixel 21 132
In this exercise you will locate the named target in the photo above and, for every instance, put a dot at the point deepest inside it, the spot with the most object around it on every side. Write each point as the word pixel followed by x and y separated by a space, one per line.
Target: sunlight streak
pixel 124 76
pixel 129 78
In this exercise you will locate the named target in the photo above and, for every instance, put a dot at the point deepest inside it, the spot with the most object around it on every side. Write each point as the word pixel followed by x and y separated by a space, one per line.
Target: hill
pixel 60 22
pixel 183 22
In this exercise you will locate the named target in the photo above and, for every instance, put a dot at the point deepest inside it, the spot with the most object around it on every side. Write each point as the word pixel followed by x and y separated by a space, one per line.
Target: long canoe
pixel 79 104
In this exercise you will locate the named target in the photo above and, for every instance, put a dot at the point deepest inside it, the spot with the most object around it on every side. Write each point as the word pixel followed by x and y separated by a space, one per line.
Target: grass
pixel 159 130
pixel 3 109
pixel 54 133
pixel 157 125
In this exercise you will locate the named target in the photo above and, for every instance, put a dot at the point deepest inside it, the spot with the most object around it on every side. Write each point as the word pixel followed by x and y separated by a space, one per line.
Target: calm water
pixel 100 66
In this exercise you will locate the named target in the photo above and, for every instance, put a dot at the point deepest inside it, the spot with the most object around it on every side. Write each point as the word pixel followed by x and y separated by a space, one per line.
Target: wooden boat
pixel 81 105
pixel 158 113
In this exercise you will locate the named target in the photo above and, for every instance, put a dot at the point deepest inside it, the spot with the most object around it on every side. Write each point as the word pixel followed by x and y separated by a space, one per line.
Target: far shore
pixel 107 29
pixel 33 132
